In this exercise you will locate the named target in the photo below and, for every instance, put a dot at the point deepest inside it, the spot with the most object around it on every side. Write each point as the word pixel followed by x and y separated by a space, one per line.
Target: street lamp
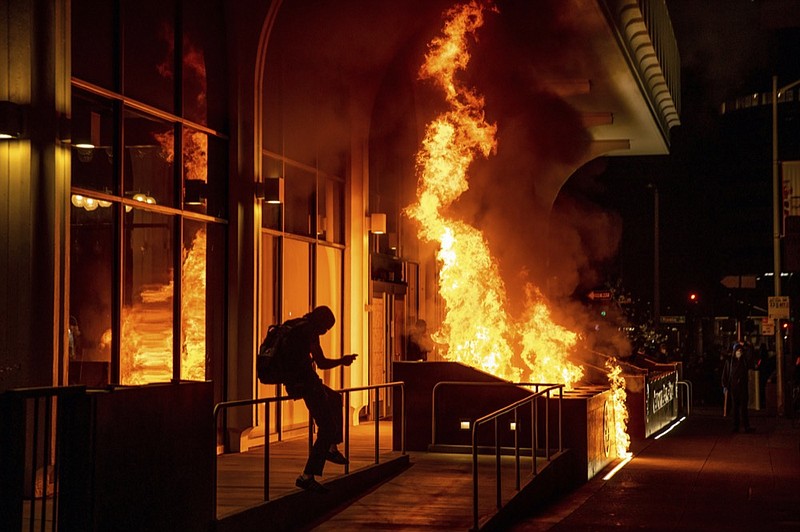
pixel 776 230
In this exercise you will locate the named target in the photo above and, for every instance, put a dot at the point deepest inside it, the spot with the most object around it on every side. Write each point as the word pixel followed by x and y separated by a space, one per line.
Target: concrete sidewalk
pixel 699 476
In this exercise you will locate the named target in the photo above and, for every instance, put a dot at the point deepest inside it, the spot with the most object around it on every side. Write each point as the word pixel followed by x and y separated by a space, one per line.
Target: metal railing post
pixel 474 477
pixel 377 424
pixel 266 454
pixel 347 431
pixel 516 447
pixel 497 463
pixel 547 426
pixel 560 419
pixel 534 431
pixel 403 419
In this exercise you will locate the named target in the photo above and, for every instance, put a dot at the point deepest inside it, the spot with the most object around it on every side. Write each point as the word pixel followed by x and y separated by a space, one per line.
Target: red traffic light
pixel 692 297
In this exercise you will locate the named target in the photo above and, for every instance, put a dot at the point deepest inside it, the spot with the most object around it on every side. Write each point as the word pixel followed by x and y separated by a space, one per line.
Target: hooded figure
pixel 324 404
pixel 735 382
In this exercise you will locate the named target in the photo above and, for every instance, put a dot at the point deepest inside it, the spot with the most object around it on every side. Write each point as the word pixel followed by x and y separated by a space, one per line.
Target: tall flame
pixel 476 329
pixel 618 396
pixel 146 350
pixel 193 310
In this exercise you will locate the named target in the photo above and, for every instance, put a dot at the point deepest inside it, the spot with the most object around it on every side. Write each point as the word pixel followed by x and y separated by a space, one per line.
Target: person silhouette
pixel 324 404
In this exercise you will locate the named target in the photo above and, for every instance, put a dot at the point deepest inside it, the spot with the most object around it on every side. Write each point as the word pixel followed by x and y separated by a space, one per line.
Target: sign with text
pixel 767 327
pixel 673 319
pixel 600 295
pixel 778 308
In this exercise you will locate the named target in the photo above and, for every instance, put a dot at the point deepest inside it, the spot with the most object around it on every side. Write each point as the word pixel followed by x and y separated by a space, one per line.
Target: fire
pixel 193 310
pixel 545 344
pixel 618 396
pixel 147 341
pixel 476 329
pixel 146 350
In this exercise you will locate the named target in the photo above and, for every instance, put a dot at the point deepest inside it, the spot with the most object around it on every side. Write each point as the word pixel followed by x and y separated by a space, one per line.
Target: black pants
pixel 325 407
pixel 740 398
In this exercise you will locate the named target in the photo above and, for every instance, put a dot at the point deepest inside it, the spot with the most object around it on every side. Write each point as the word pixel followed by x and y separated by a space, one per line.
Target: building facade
pixel 188 173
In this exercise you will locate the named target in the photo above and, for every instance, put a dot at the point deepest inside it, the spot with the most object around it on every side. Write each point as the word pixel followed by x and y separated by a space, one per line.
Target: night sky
pixel 715 186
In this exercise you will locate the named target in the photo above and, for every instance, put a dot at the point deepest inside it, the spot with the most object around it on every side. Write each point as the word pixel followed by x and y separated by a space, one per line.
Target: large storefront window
pixel 149 192
pixel 92 236
pixel 147 298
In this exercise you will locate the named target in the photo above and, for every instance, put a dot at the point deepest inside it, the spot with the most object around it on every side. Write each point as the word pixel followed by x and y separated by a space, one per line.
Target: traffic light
pixel 693 297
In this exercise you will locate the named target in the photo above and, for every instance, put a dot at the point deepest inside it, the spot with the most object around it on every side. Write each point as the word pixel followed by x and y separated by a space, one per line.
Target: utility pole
pixel 777 197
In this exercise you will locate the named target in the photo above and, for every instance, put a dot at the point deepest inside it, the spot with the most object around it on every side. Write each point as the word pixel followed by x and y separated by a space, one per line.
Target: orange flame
pixel 476 328
pixel 618 396
pixel 146 350
pixel 193 310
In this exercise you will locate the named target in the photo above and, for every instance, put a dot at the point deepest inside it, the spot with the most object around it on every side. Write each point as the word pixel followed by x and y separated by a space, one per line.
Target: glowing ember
pixel 618 396
pixel 476 329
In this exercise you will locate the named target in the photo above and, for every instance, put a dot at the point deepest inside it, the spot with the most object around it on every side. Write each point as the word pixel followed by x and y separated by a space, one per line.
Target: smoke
pixel 325 62
pixel 336 63
pixel 557 240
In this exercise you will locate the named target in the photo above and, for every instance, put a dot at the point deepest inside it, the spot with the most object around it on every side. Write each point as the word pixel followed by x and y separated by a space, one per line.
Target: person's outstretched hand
pixel 348 359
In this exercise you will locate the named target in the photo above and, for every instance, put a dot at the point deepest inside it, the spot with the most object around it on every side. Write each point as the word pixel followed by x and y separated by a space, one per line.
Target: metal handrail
pixel 23 453
pixel 219 407
pixel 534 436
pixel 471 383
pixel 688 385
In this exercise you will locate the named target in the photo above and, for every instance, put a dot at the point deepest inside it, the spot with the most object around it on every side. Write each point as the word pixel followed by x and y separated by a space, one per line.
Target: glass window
pixel 92 232
pixel 296 301
pixel 300 201
pixel 330 220
pixel 204 96
pixel 131 48
pixel 194 283
pixel 147 296
pixel 329 281
pixel 195 170
pixel 149 159
pixel 269 304
pixel 93 142
pixel 204 167
pixel 149 51
pixel 93 33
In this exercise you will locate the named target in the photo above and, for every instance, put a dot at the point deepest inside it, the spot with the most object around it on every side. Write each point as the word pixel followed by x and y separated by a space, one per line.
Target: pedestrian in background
pixel 735 384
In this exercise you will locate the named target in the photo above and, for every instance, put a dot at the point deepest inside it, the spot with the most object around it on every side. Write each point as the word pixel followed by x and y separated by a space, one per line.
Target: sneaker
pixel 336 457
pixel 310 484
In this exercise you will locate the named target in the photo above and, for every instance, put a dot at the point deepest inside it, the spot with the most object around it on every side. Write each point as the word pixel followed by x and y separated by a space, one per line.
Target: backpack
pixel 273 364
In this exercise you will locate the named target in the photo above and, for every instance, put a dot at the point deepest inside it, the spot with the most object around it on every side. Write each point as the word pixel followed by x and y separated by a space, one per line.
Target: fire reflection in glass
pixel 147 310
